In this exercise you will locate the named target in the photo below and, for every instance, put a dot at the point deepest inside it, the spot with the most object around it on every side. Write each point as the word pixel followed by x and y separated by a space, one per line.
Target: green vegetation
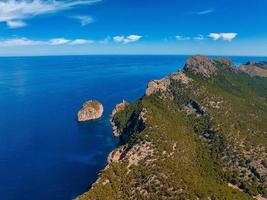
pixel 201 137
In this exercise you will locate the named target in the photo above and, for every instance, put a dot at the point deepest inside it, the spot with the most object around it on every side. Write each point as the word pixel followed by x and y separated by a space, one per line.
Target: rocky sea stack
pixel 90 110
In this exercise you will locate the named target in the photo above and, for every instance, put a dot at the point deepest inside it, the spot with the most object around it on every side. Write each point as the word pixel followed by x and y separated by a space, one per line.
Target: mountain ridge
pixel 198 133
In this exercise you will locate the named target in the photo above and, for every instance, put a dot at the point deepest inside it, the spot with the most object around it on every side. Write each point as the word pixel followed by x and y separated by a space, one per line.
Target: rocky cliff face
pixel 90 110
pixel 118 108
pixel 162 86
pixel 196 134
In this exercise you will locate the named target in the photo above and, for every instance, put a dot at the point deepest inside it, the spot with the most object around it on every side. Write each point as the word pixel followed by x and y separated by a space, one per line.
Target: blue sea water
pixel 44 153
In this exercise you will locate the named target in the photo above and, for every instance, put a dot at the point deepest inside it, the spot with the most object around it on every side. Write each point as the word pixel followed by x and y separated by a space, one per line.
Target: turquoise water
pixel 44 152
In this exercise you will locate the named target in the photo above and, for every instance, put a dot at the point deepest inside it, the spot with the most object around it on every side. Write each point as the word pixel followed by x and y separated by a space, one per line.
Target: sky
pixel 180 27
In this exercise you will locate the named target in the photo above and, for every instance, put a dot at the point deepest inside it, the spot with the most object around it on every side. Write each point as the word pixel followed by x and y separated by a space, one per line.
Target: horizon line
pixel 172 54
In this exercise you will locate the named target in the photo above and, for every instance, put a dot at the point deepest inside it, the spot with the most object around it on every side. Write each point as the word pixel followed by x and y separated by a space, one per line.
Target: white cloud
pixel 199 37
pixel 63 41
pixel 81 41
pixel 215 36
pixel 228 36
pixel 54 42
pixel 127 39
pixel 224 36
pixel 12 11
pixel 205 12
pixel 59 41
pixel 118 38
pixel 20 42
pixel 84 20
pixel 179 37
pixel 16 24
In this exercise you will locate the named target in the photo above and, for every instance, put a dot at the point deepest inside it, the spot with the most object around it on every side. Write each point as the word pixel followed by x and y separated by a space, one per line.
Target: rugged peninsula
pixel 90 110
pixel 200 133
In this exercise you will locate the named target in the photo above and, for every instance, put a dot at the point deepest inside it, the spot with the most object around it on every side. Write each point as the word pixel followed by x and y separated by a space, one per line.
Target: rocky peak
pixel 226 64
pixel 200 65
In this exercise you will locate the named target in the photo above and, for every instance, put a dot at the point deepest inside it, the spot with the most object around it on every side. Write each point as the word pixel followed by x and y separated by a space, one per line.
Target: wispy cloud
pixel 199 37
pixel 84 20
pixel 13 12
pixel 58 41
pixel 54 42
pixel 127 39
pixel 81 41
pixel 204 12
pixel 20 42
pixel 63 41
pixel 215 36
pixel 180 37
pixel 16 24
pixel 224 36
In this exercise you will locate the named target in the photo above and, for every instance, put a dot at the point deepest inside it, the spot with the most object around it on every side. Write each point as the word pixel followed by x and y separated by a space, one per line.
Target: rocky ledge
pixel 163 84
pixel 119 107
pixel 90 110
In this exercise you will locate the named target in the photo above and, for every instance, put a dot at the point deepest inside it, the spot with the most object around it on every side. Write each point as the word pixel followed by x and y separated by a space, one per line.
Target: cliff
pixel 200 133
pixel 113 119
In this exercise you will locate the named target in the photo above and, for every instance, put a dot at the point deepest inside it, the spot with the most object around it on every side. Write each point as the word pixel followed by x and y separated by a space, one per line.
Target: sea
pixel 44 152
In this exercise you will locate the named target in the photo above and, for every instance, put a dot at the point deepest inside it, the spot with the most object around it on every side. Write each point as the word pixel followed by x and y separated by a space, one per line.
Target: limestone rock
pixel 119 107
pixel 90 110
pixel 201 65
pixel 226 64
pixel 162 85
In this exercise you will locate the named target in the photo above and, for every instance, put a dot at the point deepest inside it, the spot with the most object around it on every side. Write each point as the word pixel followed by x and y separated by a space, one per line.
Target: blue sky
pixel 70 27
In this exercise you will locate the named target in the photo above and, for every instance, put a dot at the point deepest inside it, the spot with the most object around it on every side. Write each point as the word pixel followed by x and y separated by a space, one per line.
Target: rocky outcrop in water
pixel 90 110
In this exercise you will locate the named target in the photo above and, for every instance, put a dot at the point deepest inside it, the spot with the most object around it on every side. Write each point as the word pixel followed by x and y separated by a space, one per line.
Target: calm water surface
pixel 44 153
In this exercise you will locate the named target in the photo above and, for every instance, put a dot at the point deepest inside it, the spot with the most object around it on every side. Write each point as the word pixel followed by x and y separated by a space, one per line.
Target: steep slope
pixel 197 134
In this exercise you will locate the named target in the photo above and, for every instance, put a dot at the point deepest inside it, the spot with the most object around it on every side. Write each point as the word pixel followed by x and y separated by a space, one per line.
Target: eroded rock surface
pixel 200 65
pixel 162 85
pixel 90 110
pixel 226 64
pixel 119 107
